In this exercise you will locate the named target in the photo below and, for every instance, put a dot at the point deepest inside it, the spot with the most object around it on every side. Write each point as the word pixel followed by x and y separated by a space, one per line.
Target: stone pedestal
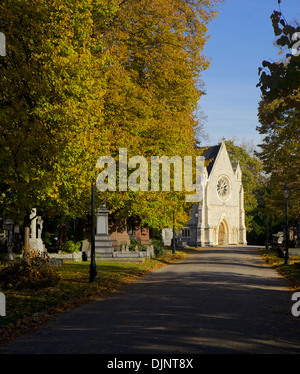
pixel 103 245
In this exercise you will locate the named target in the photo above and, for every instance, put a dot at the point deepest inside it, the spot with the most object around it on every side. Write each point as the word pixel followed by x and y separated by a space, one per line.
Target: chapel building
pixel 219 219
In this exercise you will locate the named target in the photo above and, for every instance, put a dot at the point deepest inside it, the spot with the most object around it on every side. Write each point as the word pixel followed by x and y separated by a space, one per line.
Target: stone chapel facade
pixel 219 218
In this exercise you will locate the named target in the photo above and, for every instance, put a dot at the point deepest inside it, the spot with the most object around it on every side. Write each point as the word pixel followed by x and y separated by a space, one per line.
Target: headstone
pixel 86 249
pixel 103 245
pixel 56 262
pixel 124 248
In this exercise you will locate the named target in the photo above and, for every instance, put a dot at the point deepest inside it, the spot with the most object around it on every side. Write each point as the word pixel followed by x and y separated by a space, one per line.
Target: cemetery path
pixel 220 300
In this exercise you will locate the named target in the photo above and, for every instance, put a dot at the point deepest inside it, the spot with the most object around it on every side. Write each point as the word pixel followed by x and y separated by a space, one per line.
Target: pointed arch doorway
pixel 222 233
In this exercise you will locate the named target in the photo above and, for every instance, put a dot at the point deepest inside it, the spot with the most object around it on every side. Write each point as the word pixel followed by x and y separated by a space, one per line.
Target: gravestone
pixel 86 249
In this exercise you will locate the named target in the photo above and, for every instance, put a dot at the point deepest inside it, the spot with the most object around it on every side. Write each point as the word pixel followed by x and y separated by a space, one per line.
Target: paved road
pixel 220 300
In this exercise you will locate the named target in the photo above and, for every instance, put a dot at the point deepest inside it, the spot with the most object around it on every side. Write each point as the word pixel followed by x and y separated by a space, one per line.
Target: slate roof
pixel 211 153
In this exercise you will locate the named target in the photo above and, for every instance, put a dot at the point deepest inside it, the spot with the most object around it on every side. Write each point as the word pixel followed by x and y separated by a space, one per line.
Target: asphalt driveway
pixel 220 300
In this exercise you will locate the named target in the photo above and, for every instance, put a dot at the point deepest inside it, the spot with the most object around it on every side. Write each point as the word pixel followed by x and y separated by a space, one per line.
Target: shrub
pixel 71 247
pixel 157 246
pixel 134 244
pixel 32 271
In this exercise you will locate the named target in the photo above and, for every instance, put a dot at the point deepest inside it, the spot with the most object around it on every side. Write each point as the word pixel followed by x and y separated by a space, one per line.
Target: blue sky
pixel 241 38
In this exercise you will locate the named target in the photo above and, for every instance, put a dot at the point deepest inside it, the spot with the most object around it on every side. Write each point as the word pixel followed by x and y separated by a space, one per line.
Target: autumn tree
pixel 82 79
pixel 51 85
pixel 153 90
pixel 279 117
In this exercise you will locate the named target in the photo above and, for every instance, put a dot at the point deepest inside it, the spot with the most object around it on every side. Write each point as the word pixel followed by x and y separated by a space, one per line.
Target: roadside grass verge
pixel 290 272
pixel 27 310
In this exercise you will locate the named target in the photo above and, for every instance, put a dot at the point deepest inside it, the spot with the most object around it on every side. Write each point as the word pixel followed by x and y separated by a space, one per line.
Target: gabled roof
pixel 210 154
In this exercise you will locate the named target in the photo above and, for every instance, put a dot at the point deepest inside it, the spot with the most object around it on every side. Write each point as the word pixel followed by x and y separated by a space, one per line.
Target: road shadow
pixel 214 301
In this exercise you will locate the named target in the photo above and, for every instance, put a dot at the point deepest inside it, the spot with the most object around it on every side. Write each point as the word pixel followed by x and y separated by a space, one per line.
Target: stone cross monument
pixel 36 227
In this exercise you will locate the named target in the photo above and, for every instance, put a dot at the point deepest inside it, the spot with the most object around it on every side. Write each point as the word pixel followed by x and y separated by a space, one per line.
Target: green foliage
pixel 157 246
pixel 32 271
pixel 50 105
pixel 134 244
pixel 279 117
pixel 71 247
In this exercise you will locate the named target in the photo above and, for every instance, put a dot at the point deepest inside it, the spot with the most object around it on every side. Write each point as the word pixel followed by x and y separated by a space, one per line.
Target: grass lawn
pixel 26 310
pixel 290 272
